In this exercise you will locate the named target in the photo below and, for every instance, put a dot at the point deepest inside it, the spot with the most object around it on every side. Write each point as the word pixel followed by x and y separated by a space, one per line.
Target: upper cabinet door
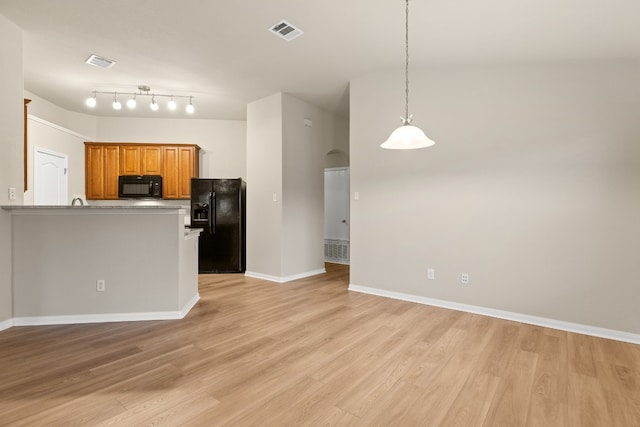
pixel 151 163
pixel 187 169
pixel 94 172
pixel 111 160
pixel 130 160
pixel 101 173
pixel 170 178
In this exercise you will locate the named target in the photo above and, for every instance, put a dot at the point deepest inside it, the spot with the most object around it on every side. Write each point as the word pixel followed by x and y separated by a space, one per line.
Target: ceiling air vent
pixel 286 30
pixel 100 61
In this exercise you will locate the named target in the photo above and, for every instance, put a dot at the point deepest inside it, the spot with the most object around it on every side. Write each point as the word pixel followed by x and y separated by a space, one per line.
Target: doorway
pixel 50 172
pixel 336 215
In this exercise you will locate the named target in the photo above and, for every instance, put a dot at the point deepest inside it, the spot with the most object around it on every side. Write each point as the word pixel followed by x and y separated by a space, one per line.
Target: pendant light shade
pixel 407 137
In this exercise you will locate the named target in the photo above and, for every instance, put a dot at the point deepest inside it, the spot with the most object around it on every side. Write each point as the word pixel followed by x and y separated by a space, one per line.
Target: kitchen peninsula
pixel 146 257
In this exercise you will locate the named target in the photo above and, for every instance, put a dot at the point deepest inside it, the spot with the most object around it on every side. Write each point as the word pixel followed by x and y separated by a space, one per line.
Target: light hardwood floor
pixel 311 353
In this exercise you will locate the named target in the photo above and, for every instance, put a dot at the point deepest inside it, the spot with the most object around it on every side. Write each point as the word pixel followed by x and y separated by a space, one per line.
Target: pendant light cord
pixel 407 119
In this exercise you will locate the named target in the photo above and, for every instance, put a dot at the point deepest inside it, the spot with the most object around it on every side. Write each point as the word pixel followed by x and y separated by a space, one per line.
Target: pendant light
pixel 407 136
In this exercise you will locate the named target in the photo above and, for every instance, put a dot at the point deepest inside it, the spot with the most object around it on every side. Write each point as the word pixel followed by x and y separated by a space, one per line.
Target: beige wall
pixel 223 142
pixel 51 137
pixel 139 252
pixel 264 180
pixel 304 150
pixel 286 157
pixel 83 124
pixel 11 143
pixel 533 188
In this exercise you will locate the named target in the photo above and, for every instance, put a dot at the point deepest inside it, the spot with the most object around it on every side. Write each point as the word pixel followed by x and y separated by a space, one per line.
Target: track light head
pixel 131 103
pixel 116 104
pixel 189 108
pixel 91 101
pixel 172 104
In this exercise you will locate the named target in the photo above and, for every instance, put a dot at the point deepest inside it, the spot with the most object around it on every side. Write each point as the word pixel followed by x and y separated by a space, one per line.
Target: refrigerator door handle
pixel 212 213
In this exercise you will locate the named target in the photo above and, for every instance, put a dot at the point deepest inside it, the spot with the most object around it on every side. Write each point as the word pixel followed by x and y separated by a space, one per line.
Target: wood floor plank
pixel 510 407
pixel 548 401
pixel 309 352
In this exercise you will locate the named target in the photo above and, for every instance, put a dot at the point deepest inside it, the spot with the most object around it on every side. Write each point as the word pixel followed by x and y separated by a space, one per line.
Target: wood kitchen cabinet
pixel 180 164
pixel 150 160
pixel 140 160
pixel 104 162
pixel 101 171
pixel 130 160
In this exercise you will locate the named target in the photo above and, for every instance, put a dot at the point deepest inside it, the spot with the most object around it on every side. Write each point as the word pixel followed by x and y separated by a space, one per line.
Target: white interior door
pixel 49 177
pixel 336 215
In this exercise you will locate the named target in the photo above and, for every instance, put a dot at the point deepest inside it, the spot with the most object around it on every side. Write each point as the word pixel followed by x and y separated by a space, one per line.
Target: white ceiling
pixel 222 53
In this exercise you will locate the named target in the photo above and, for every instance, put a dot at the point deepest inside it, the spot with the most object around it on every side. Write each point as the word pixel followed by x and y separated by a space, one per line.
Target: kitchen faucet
pixel 73 202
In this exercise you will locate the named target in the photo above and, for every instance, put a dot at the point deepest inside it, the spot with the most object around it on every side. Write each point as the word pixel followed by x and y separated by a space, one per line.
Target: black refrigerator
pixel 218 207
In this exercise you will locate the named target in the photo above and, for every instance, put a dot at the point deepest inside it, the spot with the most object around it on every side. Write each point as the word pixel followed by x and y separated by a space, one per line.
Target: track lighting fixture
pixel 143 90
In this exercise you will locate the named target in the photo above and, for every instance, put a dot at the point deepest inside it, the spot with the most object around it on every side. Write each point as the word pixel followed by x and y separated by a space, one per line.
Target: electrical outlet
pixel 12 193
pixel 464 278
pixel 431 274
pixel 101 285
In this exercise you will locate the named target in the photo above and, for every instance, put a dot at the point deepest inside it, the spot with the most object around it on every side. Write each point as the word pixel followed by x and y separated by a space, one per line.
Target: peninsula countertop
pixel 96 207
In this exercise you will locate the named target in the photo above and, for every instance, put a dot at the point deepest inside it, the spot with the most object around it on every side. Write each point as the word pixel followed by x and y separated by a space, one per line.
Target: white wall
pixel 533 188
pixel 11 147
pixel 223 142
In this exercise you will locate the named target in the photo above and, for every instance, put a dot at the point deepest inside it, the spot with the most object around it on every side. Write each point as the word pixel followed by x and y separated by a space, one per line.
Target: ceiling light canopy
pixel 142 91
pixel 407 137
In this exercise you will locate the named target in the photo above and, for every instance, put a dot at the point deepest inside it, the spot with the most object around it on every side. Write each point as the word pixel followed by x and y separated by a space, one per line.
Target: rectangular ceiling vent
pixel 286 30
pixel 100 61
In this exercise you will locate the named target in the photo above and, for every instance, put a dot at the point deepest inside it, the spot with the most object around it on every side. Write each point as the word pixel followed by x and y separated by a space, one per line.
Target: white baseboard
pixel 336 261
pixel 6 324
pixel 106 317
pixel 507 315
pixel 286 278
pixel 189 305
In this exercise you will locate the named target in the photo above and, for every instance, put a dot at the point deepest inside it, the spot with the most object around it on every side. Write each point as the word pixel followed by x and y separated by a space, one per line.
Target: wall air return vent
pixel 100 61
pixel 286 30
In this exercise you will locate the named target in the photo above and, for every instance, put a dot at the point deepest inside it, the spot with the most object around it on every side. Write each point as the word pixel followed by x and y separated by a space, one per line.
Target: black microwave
pixel 140 187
